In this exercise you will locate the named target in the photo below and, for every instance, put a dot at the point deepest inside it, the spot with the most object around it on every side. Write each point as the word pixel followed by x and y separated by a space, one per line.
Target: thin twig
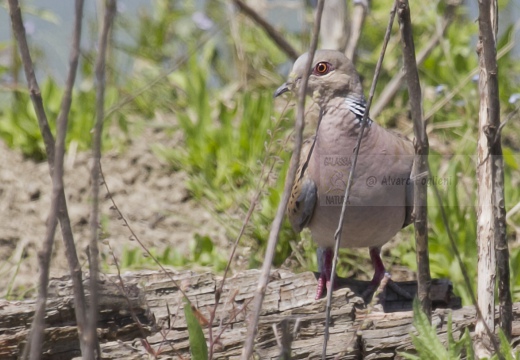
pixel 126 295
pixel 359 13
pixel 504 123
pixel 68 240
pixel 268 28
pixel 58 208
pixel 133 235
pixel 285 340
pixel 262 182
pixel 363 325
pixel 232 319
pixel 291 175
pixel 91 333
pixel 420 189
pixel 456 251
pixel 449 96
pixel 163 75
pixel 394 85
pixel 364 121
pixel 334 34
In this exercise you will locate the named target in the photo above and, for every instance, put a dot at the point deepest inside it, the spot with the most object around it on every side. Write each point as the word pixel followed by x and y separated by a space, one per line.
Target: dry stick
pixel 359 14
pixel 91 332
pixel 291 175
pixel 127 298
pixel 334 34
pixel 126 295
pixel 268 28
pixel 504 123
pixel 162 76
pixel 134 235
pixel 497 165
pixel 394 85
pixel 503 51
pixel 58 205
pixel 232 318
pixel 463 269
pixel 492 240
pixel 66 230
pixel 420 168
pixel 486 266
pixel 337 235
pixel 218 292
pixel 262 182
pixel 70 247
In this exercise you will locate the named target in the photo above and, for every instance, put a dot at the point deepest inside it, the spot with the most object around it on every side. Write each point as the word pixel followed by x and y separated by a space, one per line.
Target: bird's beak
pixel 282 89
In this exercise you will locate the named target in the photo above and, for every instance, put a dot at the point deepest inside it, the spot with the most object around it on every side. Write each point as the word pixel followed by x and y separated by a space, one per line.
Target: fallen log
pixel 146 316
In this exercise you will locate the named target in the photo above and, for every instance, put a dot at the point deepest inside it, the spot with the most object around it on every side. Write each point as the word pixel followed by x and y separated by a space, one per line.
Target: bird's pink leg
pixel 379 267
pixel 380 273
pixel 325 267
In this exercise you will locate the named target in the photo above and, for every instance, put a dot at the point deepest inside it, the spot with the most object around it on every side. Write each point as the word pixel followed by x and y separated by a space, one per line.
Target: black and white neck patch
pixel 357 106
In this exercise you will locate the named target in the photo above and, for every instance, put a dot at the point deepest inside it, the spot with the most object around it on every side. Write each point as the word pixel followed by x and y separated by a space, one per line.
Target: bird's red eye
pixel 322 68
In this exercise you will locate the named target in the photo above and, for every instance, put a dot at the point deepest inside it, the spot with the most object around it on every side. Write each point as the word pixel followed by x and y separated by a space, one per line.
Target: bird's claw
pixel 323 285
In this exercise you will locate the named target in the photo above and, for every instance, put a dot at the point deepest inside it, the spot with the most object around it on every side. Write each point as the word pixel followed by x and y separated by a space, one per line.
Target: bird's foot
pixel 325 256
pixel 377 286
pixel 323 286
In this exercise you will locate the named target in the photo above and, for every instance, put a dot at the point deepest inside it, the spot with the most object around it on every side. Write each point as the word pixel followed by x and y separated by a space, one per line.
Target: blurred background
pixel 193 137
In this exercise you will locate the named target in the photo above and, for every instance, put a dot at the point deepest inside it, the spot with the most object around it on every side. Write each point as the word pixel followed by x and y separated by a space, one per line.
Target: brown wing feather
pixel 304 193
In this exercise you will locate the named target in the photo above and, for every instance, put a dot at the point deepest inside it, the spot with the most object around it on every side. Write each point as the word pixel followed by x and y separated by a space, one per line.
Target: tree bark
pixel 493 253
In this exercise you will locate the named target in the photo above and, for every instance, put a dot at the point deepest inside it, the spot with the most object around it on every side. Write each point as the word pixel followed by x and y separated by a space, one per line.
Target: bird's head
pixel 332 75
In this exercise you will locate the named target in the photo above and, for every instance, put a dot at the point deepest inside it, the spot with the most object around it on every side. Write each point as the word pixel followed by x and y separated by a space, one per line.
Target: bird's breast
pixel 378 193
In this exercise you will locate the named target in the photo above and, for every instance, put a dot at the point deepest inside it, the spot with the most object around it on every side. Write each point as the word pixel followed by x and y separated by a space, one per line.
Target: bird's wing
pixel 304 192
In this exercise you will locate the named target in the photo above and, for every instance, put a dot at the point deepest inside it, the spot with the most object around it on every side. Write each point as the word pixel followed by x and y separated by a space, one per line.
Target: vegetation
pixel 429 346
pixel 217 79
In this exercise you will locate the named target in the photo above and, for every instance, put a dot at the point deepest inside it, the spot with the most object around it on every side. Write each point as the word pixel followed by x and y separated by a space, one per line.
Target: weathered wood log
pixel 151 298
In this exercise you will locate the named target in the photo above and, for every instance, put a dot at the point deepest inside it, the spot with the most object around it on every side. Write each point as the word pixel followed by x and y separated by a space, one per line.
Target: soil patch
pixel 152 198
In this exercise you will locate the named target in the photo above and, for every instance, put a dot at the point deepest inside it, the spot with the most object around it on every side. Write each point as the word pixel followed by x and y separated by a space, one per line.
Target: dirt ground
pixel 152 198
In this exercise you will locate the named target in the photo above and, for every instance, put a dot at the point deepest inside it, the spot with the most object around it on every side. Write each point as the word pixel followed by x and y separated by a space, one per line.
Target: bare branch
pixel 291 175
pixel 503 51
pixel 58 206
pixel 491 234
pixel 485 224
pixel 394 85
pixel 357 20
pixel 91 333
pixel 337 235
pixel 420 203
pixel 456 251
pixel 287 48
pixel 333 34
pixel 68 240
pixel 134 235
pixel 262 182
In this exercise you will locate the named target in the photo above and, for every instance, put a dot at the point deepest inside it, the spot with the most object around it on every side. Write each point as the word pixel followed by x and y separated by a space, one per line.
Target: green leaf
pixel 198 346
pixel 510 158
pixel 468 345
pixel 426 343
